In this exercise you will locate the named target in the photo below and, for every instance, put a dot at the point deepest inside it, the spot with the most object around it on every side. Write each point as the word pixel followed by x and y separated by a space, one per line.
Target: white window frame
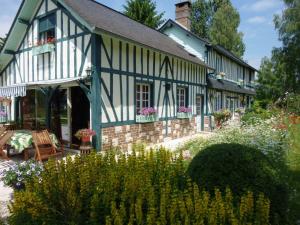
pixel 142 90
pixel 181 92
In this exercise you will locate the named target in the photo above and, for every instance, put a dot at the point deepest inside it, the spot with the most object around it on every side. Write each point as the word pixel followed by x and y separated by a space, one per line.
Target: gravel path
pixel 5 192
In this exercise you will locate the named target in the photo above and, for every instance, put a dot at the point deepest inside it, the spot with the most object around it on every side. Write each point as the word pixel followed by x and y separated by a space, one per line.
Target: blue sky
pixel 256 22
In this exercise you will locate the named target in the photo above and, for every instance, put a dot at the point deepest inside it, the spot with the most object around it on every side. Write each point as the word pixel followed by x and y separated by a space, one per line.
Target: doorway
pixel 80 112
pixel 199 113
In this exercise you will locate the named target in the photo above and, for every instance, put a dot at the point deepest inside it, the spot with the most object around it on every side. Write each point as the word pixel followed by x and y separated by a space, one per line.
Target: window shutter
pixel 47 23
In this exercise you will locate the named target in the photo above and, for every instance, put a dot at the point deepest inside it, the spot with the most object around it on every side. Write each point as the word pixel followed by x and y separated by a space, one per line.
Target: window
pixel 143 97
pixel 218 101
pixel 47 28
pixel 181 97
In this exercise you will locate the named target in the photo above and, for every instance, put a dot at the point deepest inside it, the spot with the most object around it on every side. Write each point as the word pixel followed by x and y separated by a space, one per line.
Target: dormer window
pixel 47 26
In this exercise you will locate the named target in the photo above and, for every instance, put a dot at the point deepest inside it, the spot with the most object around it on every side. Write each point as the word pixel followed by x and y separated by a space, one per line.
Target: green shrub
pixel 142 188
pixel 240 168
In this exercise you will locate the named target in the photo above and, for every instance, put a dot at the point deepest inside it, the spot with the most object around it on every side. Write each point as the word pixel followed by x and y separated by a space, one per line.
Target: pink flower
pixel 2 113
pixel 183 109
pixel 148 111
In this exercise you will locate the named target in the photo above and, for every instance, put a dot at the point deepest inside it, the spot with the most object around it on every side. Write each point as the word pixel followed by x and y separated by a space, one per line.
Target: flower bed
pixel 17 175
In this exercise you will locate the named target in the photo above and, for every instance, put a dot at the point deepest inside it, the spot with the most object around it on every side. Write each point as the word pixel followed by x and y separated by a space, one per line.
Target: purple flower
pixel 148 111
pixel 184 109
pixel 2 113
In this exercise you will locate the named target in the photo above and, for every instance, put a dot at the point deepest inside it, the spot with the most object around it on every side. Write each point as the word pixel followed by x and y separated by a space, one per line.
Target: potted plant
pixel 16 176
pixel 221 117
pixel 184 113
pixel 85 135
pixel 147 115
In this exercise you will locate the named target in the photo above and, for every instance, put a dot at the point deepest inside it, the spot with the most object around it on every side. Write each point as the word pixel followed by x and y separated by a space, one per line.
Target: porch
pixel 61 108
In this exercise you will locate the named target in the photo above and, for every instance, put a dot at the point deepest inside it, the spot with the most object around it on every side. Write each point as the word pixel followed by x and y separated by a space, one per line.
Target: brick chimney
pixel 183 13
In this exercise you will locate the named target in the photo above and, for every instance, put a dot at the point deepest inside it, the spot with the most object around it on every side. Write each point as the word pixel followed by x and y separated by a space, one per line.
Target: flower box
pixel 37 50
pixel 184 115
pixel 146 118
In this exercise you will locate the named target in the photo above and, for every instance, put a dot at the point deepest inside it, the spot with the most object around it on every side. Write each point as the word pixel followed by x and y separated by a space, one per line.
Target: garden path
pixel 5 192
pixel 174 144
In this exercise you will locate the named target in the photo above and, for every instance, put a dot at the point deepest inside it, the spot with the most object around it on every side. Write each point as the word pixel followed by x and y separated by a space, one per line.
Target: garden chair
pixel 44 147
pixel 4 138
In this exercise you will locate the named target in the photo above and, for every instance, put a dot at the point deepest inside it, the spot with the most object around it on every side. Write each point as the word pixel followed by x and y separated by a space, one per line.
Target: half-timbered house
pixel 231 81
pixel 72 64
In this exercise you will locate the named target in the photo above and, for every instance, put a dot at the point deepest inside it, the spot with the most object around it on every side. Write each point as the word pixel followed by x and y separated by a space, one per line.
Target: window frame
pixel 43 35
pixel 139 94
pixel 218 101
pixel 178 101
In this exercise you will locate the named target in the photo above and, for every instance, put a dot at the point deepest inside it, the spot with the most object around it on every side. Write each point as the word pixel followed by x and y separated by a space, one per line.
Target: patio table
pixel 22 140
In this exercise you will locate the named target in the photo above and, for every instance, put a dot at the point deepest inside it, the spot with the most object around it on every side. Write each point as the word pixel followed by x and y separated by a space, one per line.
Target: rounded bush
pixel 242 169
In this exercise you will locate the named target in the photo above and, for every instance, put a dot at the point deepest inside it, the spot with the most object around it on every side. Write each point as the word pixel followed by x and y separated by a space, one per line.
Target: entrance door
pixel 199 109
pixel 80 112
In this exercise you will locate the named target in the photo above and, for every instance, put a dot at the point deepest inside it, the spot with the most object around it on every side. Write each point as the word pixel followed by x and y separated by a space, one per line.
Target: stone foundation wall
pixel 124 137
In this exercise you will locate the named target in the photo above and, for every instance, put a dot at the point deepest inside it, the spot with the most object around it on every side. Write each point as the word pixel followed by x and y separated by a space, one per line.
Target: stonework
pixel 124 137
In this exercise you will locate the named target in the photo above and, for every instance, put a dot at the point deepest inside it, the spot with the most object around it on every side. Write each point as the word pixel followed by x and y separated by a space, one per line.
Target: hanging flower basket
pixel 147 115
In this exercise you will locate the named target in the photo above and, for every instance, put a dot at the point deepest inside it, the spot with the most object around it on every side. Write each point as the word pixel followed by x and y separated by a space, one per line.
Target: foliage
pixel 142 188
pixel 18 174
pixel 202 14
pixel 222 116
pixel 218 21
pixel 240 168
pixel 200 18
pixel 281 73
pixel 144 11
pixel 261 135
pixel 256 113
pixel 293 103
pixel 224 30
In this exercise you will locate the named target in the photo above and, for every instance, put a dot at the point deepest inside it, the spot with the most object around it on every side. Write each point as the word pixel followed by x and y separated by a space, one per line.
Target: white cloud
pixel 257 19
pixel 262 5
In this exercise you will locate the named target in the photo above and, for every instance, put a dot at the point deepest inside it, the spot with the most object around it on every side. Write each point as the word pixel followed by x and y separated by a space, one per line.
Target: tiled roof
pixel 108 20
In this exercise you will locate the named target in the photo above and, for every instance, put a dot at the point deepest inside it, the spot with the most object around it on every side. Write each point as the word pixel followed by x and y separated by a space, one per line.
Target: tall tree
pixel 218 21
pixel 144 11
pixel 200 18
pixel 288 26
pixel 224 30
pixel 281 73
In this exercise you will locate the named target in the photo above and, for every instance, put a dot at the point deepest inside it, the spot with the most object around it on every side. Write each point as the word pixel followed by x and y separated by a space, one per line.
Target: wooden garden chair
pixel 44 147
pixel 5 136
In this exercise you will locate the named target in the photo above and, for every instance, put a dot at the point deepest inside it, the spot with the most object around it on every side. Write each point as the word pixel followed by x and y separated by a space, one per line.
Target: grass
pixel 293 162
